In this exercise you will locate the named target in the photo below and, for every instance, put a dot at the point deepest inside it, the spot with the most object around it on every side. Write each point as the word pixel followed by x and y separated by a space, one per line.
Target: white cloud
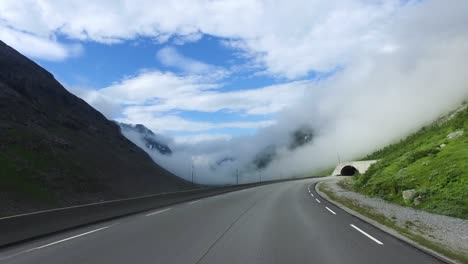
pixel 289 39
pixel 38 47
pixel 170 123
pixel 169 56
pixel 201 138
pixel 260 101
pixel 414 74
pixel 148 97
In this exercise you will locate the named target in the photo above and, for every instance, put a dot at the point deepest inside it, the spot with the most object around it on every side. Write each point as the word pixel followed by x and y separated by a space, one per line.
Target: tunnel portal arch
pixel 349 170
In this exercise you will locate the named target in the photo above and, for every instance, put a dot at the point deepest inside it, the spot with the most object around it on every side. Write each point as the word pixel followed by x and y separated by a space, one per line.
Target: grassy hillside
pixel 435 166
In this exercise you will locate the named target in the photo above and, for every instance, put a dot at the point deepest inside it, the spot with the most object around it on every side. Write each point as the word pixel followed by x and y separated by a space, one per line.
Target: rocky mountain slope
pixel 150 139
pixel 56 150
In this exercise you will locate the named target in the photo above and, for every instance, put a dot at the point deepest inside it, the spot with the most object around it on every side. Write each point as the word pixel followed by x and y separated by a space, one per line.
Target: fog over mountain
pixel 377 97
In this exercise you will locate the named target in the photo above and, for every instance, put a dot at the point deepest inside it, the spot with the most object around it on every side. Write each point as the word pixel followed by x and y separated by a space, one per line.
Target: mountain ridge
pixel 56 150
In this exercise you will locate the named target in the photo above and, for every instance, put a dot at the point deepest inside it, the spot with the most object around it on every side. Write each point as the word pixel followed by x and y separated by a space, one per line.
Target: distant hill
pixel 150 139
pixel 56 150
pixel 299 137
pixel 431 165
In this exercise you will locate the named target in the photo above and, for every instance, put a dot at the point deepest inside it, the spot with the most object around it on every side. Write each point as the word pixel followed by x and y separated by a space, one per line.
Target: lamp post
pixel 192 172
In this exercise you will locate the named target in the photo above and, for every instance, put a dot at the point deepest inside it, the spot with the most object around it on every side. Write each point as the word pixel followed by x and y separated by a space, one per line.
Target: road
pixel 276 223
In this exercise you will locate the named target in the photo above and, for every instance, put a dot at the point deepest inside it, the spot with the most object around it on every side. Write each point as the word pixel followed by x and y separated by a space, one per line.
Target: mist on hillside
pixel 379 96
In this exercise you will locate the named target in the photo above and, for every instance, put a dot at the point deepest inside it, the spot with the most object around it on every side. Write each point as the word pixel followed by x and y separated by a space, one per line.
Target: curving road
pixel 276 223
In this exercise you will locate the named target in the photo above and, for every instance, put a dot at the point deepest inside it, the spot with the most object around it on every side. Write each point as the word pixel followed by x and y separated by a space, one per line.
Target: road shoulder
pixel 409 231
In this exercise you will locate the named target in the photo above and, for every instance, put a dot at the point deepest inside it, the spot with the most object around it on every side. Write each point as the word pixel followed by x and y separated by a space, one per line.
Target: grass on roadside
pixel 430 163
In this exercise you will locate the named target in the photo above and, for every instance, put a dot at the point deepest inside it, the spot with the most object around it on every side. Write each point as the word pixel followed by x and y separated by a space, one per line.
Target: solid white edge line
pixel 331 211
pixel 196 201
pixel 158 212
pixel 318 201
pixel 367 235
pixel 70 238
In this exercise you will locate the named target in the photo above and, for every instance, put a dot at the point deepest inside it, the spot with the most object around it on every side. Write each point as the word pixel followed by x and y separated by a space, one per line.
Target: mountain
pixel 300 137
pixel 265 157
pixel 150 139
pixel 56 150
pixel 431 164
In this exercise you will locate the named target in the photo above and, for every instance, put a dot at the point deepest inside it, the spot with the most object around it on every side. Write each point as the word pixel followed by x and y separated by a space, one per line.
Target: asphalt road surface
pixel 276 223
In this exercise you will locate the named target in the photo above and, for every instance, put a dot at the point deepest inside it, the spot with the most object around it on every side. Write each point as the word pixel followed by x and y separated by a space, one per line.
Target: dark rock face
pixel 300 137
pixel 56 150
pixel 225 160
pixel 149 138
pixel 265 157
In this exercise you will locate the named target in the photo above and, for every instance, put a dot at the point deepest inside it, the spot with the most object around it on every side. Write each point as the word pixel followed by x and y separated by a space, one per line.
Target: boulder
pixel 417 201
pixel 409 194
pixel 455 134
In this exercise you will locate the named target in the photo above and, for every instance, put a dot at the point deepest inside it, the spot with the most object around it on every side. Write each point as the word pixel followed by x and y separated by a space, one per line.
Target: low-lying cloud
pixel 378 97
pixel 390 66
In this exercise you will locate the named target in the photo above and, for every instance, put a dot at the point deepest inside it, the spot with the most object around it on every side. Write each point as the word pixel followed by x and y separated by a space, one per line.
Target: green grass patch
pixel 438 174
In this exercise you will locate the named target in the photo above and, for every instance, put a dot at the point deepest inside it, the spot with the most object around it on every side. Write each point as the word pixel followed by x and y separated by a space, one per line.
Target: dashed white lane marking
pixel 196 201
pixel 70 238
pixel 158 212
pixel 331 211
pixel 311 194
pixel 318 201
pixel 54 243
pixel 367 235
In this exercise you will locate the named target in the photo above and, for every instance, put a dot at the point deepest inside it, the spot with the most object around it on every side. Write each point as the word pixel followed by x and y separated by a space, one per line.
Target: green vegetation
pixel 435 166
pixel 391 223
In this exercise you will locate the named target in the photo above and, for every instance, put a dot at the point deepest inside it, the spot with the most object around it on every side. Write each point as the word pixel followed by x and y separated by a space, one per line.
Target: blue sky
pixel 100 65
pixel 188 68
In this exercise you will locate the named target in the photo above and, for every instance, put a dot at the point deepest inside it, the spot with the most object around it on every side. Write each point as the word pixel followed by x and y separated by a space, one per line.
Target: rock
pixel 5 126
pixel 442 145
pixel 409 194
pixel 455 134
pixel 417 201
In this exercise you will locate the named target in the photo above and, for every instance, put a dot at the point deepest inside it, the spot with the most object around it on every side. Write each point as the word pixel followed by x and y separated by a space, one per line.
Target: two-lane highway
pixel 278 223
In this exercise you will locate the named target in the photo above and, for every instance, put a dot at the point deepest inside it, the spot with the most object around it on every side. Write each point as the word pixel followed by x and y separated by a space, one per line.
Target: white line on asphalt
pixel 70 238
pixel 311 194
pixel 367 235
pixel 318 201
pixel 192 202
pixel 331 211
pixel 158 212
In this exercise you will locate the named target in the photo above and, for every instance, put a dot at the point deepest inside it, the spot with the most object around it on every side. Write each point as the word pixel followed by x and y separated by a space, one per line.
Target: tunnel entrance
pixel 348 170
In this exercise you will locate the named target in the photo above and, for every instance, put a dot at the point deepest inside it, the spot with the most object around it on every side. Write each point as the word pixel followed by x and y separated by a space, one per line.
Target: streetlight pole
pixel 192 172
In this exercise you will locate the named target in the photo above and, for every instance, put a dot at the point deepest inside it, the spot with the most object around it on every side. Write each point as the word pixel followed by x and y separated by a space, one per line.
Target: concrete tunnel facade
pixel 352 167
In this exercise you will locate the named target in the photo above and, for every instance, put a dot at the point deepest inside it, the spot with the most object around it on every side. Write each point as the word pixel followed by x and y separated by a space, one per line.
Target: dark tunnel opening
pixel 348 171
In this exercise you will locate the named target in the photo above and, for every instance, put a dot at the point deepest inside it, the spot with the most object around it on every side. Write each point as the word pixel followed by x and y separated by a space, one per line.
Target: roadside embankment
pixel 444 236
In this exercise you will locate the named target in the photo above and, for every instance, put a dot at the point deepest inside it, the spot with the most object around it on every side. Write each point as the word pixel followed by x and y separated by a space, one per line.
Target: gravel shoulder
pixel 448 236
